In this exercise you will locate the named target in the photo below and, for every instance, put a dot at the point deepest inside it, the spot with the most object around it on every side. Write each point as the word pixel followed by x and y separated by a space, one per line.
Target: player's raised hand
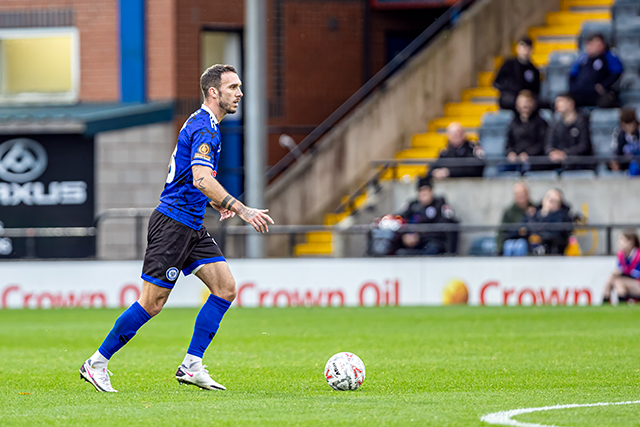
pixel 258 218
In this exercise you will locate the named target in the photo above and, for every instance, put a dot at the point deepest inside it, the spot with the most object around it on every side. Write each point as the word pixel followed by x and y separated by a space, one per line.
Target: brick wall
pixel 161 50
pixel 96 21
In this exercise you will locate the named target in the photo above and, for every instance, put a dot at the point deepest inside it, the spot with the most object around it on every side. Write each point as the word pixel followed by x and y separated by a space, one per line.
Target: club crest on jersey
pixel 204 149
pixel 172 273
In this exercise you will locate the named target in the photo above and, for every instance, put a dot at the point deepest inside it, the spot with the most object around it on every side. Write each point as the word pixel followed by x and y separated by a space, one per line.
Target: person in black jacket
pixel 569 136
pixel 626 140
pixel 518 74
pixel 458 147
pixel 427 209
pixel 526 134
pixel 594 74
pixel 553 210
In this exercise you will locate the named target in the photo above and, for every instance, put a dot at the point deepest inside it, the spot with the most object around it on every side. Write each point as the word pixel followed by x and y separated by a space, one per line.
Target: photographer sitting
pixel 427 209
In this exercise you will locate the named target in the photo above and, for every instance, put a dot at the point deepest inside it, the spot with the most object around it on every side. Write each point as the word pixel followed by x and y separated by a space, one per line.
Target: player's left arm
pixel 204 181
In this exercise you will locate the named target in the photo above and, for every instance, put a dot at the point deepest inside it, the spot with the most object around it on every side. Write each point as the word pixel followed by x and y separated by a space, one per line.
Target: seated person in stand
pixel 594 74
pixel 518 74
pixel 625 278
pixel 526 135
pixel 458 147
pixel 553 210
pixel 427 209
pixel 626 142
pixel 569 135
pixel 515 214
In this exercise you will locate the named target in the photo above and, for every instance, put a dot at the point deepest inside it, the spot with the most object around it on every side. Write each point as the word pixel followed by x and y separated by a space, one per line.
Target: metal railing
pixel 294 231
pixel 446 20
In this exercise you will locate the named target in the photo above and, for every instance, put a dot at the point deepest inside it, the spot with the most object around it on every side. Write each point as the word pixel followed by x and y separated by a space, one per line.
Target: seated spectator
pixel 625 278
pixel 626 142
pixel 518 74
pixel 458 147
pixel 427 209
pixel 553 210
pixel 594 74
pixel 569 136
pixel 516 213
pixel 526 134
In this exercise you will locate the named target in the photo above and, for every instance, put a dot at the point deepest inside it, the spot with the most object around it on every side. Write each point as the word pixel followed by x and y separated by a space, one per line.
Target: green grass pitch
pixel 444 366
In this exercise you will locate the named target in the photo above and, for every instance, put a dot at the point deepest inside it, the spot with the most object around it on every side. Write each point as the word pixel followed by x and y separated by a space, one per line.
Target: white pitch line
pixel 504 418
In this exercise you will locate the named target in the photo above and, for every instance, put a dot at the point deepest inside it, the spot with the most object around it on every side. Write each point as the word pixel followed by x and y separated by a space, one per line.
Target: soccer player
pixel 178 241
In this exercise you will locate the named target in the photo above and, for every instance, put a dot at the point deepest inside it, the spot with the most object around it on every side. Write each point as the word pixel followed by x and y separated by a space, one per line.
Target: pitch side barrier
pixel 335 282
pixel 232 235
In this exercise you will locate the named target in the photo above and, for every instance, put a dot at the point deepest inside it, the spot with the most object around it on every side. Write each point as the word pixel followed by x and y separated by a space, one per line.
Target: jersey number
pixel 172 166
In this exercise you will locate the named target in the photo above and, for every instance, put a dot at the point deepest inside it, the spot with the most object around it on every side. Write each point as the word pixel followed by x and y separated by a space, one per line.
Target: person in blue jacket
pixel 593 77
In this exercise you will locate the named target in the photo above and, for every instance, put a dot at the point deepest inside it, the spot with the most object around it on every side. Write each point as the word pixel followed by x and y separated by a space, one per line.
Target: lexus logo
pixel 22 160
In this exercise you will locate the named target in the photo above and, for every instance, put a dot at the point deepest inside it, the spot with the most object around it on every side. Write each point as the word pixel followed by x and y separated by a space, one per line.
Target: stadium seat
pixel 484 246
pixel 626 11
pixel 558 72
pixel 628 40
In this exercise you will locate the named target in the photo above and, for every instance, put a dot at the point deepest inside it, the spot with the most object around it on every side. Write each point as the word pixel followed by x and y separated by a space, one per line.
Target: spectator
pixel 569 136
pixel 626 142
pixel 553 210
pixel 427 209
pixel 518 74
pixel 515 214
pixel 458 147
pixel 625 278
pixel 526 134
pixel 594 74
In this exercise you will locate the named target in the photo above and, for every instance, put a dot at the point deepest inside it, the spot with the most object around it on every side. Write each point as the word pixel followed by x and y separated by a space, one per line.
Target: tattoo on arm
pixel 200 184
pixel 228 202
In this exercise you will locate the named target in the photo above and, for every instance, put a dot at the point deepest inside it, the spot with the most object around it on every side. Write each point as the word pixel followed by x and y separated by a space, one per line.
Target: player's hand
pixel 258 218
pixel 226 214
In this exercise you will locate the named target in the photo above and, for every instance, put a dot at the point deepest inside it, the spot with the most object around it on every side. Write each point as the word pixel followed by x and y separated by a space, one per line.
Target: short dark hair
pixel 631 236
pixel 628 116
pixel 526 40
pixel 212 77
pixel 597 36
pixel 568 96
pixel 425 181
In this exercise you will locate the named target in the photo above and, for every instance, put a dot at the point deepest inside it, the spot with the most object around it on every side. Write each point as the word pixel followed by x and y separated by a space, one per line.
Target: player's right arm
pixel 204 181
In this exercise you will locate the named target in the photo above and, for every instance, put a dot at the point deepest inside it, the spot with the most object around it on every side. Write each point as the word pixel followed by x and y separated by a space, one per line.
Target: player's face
pixel 230 93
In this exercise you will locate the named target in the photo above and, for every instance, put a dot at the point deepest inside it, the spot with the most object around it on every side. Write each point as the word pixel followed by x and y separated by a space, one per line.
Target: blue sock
pixel 124 329
pixel 207 324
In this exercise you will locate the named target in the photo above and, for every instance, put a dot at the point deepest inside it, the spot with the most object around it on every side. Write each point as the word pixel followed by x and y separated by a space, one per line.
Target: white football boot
pixel 197 377
pixel 97 377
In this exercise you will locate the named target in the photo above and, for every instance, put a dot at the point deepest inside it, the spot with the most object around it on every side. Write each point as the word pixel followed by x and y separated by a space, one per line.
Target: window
pixel 39 65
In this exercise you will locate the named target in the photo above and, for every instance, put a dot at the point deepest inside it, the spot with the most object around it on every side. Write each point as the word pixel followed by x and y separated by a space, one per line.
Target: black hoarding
pixel 47 181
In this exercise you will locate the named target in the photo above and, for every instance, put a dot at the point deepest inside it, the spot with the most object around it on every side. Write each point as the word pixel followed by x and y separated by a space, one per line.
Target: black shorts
pixel 173 247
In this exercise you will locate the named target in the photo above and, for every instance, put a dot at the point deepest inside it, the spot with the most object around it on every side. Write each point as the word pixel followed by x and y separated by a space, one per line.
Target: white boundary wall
pixel 349 282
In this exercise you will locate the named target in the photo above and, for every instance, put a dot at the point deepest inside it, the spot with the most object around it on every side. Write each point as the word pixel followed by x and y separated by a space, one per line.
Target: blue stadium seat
pixel 602 123
pixel 628 40
pixel 625 11
pixel 558 73
pixel 484 246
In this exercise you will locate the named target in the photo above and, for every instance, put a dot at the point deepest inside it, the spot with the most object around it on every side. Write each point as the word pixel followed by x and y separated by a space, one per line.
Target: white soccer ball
pixel 344 371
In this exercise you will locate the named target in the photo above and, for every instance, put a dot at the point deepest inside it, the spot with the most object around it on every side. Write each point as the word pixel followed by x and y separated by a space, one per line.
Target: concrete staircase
pixel 559 34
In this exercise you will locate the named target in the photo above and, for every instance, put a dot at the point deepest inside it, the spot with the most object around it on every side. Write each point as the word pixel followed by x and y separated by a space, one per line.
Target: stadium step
pixel 319 237
pixel 569 18
pixel 468 109
pixel 313 249
pixel 419 153
pixel 586 5
pixel 472 123
pixel 544 48
pixel 569 31
pixel 403 172
pixel 430 139
pixel 488 93
pixel 486 78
